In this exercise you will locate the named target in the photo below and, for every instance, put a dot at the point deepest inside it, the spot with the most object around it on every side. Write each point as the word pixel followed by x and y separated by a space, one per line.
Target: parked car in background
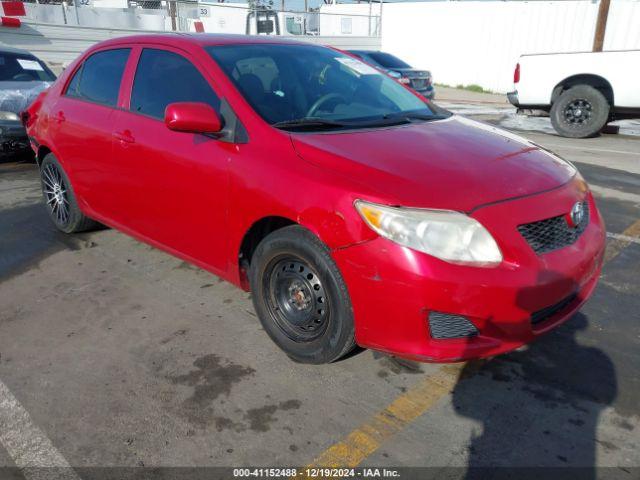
pixel 22 78
pixel 582 91
pixel 354 210
pixel 420 80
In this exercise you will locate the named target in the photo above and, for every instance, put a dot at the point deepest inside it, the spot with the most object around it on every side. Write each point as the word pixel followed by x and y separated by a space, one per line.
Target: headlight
pixel 450 236
pixel 9 116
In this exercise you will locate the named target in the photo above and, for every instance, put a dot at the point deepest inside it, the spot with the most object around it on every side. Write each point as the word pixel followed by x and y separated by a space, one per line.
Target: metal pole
pixel 380 20
pixel 369 17
pixel 75 7
pixel 601 25
pixel 172 13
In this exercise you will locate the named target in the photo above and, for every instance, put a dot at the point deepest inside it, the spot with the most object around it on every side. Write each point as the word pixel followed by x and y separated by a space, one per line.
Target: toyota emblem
pixel 577 214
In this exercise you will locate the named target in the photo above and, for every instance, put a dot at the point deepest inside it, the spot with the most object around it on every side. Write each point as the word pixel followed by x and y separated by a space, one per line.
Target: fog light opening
pixel 448 326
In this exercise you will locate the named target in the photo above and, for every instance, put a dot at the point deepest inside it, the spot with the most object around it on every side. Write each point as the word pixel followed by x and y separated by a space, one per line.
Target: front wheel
pixel 300 296
pixel 580 112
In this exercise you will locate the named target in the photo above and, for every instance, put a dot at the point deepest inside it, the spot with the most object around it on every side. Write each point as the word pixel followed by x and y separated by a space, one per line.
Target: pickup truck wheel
pixel 580 112
pixel 300 296
pixel 60 199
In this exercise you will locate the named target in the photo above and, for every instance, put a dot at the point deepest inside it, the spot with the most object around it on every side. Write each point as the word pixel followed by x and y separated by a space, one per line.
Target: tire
pixel 580 112
pixel 60 200
pixel 300 296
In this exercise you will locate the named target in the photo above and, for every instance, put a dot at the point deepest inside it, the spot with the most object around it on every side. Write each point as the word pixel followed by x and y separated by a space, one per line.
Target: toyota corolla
pixel 354 211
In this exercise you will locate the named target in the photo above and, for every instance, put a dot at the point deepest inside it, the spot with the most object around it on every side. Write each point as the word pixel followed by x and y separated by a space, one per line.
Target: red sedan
pixel 353 211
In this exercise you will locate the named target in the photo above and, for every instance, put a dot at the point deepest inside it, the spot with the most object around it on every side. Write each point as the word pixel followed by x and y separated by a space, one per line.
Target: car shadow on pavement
pixel 27 236
pixel 538 406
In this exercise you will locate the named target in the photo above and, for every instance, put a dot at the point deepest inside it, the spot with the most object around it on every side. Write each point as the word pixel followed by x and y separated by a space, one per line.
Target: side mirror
pixel 194 117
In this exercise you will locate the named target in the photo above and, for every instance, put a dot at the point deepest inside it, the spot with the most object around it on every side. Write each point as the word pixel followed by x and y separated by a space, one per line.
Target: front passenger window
pixel 164 77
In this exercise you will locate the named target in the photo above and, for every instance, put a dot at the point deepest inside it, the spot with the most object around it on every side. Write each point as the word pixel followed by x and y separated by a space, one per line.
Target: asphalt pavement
pixel 115 354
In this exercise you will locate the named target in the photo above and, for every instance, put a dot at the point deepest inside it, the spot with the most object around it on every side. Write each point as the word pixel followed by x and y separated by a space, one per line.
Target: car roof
pixel 202 39
pixel 6 49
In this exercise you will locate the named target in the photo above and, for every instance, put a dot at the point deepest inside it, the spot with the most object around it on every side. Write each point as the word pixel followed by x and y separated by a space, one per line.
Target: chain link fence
pixel 257 17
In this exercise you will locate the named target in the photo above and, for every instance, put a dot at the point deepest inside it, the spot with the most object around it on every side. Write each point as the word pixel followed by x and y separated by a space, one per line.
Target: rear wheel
pixel 60 199
pixel 300 296
pixel 580 112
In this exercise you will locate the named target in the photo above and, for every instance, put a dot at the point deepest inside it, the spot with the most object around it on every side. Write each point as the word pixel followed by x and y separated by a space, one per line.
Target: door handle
pixel 59 118
pixel 124 136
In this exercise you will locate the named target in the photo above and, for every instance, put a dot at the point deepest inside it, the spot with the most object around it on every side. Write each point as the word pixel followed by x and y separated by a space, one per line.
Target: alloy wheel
pixel 56 194
pixel 578 112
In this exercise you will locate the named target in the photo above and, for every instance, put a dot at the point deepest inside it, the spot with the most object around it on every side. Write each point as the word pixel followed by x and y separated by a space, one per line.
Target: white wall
pixel 623 31
pixel 360 18
pixel 63 43
pixel 479 42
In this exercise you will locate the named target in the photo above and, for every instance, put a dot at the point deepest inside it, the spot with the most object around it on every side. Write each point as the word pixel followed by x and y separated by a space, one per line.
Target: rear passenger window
pixel 164 77
pixel 74 84
pixel 98 79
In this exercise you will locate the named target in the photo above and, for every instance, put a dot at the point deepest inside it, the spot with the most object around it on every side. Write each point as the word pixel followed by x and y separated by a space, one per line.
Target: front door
pixel 173 185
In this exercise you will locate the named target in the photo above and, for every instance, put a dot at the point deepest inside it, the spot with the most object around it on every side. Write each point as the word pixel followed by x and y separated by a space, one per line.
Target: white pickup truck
pixel 582 91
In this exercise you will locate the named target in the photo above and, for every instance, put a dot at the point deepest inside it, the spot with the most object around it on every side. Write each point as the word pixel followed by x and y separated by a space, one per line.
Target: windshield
pixel 387 60
pixel 23 68
pixel 286 84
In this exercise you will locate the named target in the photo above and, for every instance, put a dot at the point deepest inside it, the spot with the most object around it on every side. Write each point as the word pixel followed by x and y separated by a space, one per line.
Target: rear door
pixel 172 186
pixel 81 122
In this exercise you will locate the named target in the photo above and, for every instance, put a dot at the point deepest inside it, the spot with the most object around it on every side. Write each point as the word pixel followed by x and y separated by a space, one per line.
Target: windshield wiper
pixel 309 122
pixel 387 120
pixel 415 116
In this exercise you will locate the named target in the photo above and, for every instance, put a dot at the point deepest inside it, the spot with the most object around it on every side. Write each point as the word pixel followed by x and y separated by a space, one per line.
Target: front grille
pixel 445 325
pixel 548 312
pixel 553 233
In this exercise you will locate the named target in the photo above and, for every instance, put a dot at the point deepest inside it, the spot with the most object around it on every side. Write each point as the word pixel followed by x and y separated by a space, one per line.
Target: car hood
pixel 16 96
pixel 456 164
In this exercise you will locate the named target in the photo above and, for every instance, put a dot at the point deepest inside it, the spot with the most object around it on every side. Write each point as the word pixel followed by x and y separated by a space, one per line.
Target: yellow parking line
pixel 368 437
pixel 614 247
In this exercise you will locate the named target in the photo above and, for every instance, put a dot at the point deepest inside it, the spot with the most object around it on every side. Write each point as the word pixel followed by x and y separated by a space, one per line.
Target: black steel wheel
pixel 296 298
pixel 580 112
pixel 300 296
pixel 60 199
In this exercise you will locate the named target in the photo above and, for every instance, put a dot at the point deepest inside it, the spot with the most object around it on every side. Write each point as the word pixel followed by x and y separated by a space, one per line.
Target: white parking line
pixel 624 238
pixel 614 193
pixel 29 448
pixel 589 148
pixel 473 109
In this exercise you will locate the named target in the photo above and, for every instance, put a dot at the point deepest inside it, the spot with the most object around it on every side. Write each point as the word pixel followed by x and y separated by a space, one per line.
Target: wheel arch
pixel 330 226
pixel 596 81
pixel 252 237
pixel 42 152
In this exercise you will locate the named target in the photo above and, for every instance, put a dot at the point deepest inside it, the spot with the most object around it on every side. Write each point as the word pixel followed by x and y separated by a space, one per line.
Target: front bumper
pixel 394 288
pixel 13 138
